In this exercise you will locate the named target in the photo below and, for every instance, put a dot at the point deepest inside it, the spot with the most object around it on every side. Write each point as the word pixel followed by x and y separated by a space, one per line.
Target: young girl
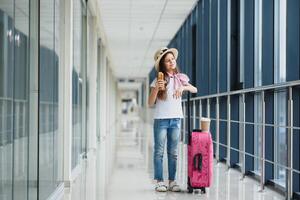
pixel 166 94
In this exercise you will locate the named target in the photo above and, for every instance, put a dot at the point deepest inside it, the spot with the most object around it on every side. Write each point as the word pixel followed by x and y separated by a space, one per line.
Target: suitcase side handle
pixel 189 118
pixel 198 157
pixel 197 130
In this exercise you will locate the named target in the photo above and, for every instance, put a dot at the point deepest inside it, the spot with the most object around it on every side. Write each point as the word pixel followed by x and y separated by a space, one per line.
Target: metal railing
pixel 261 90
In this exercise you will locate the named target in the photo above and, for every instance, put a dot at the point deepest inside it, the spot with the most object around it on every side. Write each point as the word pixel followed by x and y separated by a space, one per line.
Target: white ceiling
pixel 129 86
pixel 135 29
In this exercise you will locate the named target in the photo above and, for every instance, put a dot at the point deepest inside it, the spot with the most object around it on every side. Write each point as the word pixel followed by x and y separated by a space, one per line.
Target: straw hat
pixel 161 52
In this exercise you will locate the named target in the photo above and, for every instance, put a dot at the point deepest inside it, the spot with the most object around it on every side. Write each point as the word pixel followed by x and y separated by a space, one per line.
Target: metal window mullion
pixel 194 114
pixel 184 123
pixel 4 123
pixel 242 40
pixel 3 140
pixel 262 135
pixel 243 130
pixel 24 117
pixel 289 179
pixel 200 112
pixel 228 131
pixel 228 42
pixel 24 148
pixel 209 44
pixel 258 43
pixel 17 138
pixel 218 49
pixel 276 41
pixel 217 130
pixel 208 108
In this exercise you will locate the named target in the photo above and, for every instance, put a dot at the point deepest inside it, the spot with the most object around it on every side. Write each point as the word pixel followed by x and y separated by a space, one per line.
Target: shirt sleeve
pixel 153 83
pixel 186 80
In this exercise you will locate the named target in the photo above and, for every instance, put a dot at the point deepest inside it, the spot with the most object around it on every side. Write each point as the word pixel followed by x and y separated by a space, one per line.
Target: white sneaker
pixel 161 187
pixel 174 187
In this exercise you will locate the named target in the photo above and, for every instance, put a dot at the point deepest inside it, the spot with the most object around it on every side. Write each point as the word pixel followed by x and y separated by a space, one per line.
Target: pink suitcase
pixel 200 161
pixel 200 156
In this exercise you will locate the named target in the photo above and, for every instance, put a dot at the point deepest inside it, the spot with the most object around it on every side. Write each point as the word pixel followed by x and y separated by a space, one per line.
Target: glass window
pixel 46 98
pixel 46 140
pixel 15 98
pixel 257 131
pixel 234 45
pixel 78 81
pixel 280 100
pixel 21 63
pixel 57 135
pixel 6 99
pixel 241 77
pixel 194 57
pixel 241 130
pixel 14 102
pixel 49 164
pixel 280 145
pixel 257 82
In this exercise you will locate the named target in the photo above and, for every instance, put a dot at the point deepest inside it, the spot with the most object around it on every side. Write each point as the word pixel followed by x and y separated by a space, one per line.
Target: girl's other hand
pixel 178 93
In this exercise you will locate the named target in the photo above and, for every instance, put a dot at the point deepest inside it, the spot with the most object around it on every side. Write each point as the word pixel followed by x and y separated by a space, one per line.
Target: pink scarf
pixel 179 79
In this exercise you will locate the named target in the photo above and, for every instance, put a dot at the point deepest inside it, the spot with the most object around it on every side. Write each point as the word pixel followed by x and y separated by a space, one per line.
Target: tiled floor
pixel 131 179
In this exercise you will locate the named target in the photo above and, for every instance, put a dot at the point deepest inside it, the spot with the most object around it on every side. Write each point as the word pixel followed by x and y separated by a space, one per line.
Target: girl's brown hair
pixel 162 94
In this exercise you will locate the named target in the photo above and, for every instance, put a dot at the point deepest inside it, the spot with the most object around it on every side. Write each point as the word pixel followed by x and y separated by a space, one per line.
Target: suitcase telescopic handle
pixel 198 157
pixel 189 117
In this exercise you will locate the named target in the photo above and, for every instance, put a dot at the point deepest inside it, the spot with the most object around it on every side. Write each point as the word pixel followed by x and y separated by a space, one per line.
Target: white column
pixel 66 89
pixel 92 83
pixel 101 144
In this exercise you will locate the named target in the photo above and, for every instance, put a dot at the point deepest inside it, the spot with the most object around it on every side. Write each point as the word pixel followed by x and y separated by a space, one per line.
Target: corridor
pixel 81 82
pixel 132 174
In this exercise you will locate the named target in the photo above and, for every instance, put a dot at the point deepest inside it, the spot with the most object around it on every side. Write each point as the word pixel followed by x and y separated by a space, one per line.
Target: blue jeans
pixel 166 129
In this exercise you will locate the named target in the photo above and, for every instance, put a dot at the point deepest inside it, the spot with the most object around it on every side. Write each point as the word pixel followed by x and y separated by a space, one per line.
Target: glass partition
pixel 49 163
pixel 6 99
pixel 78 81
pixel 14 101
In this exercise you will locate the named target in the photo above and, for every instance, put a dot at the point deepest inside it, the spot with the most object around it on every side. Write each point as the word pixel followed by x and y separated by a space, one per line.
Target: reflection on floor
pixel 131 179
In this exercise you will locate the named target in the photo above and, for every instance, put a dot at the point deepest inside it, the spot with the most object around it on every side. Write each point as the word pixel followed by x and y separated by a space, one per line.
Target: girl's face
pixel 170 62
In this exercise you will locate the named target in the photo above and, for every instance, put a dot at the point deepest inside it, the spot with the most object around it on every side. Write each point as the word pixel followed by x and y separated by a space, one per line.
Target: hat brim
pixel 171 50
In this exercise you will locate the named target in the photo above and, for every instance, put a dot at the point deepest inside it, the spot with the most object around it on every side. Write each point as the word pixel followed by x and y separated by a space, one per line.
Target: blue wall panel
pixel 213 47
pixel 234 139
pixel 223 126
pixel 268 42
pixel 200 66
pixel 223 46
pixel 205 49
pixel 269 135
pixel 204 108
pixel 188 54
pixel 213 122
pixel 293 40
pixel 249 45
pixel 249 131
pixel 234 45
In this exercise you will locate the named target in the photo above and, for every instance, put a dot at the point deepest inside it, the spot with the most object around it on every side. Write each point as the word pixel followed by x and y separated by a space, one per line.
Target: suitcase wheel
pixel 190 189
pixel 203 190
